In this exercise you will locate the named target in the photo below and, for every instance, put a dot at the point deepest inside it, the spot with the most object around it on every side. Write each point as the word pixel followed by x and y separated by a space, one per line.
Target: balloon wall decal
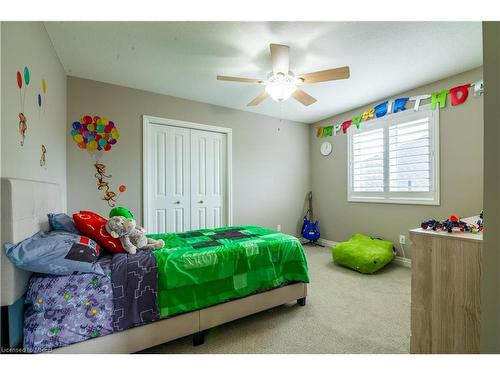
pixel 43 157
pixel 109 196
pixel 19 80
pixel 98 135
pixel 39 101
pixel 458 95
pixel 42 98
pixel 23 121
pixel 94 134
pixel 26 75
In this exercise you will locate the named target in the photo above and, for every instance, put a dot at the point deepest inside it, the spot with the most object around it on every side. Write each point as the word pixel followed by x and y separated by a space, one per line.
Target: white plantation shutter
pixel 410 156
pixel 368 161
pixel 394 159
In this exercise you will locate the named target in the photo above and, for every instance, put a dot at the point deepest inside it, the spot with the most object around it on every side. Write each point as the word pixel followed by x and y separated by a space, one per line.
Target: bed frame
pixel 25 204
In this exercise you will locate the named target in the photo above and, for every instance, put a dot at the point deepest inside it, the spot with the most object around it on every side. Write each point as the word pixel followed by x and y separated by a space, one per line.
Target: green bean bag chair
pixel 363 254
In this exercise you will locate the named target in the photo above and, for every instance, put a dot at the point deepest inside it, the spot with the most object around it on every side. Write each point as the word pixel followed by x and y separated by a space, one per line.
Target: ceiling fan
pixel 281 83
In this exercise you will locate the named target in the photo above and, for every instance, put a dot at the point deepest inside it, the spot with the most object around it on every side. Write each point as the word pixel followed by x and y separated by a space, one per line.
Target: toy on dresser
pixel 454 224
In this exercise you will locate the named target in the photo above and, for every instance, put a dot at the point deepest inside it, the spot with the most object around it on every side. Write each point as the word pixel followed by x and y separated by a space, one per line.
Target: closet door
pixel 208 179
pixel 168 173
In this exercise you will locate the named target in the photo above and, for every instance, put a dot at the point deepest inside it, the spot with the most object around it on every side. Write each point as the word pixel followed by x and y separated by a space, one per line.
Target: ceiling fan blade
pixel 239 79
pixel 263 96
pixel 280 56
pixel 325 75
pixel 303 97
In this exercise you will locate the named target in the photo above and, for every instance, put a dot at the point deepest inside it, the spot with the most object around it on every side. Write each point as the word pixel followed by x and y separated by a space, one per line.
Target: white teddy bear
pixel 132 237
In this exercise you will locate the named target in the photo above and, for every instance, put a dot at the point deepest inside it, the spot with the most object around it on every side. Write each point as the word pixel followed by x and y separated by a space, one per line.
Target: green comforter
pixel 205 267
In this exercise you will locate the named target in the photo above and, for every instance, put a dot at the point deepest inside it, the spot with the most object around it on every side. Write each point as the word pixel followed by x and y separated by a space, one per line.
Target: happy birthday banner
pixel 458 95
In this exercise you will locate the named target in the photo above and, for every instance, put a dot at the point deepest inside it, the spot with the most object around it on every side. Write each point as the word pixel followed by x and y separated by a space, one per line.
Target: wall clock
pixel 326 148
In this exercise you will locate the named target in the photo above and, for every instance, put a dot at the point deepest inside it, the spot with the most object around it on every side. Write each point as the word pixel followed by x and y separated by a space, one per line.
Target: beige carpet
pixel 346 312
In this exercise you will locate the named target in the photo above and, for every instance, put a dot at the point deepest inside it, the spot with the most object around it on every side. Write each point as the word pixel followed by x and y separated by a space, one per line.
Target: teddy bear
pixel 132 237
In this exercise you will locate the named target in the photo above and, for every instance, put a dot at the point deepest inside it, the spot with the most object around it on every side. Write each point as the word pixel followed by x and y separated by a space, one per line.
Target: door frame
pixel 149 120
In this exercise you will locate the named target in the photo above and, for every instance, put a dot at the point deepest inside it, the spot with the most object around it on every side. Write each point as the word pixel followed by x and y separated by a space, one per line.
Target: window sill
pixel 418 202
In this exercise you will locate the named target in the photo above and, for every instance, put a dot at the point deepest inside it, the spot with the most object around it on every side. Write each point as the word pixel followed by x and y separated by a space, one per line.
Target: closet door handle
pixel 177 202
pixel 200 202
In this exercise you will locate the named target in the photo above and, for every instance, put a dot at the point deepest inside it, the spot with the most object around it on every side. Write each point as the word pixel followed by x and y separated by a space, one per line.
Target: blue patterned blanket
pixel 63 310
pixel 133 278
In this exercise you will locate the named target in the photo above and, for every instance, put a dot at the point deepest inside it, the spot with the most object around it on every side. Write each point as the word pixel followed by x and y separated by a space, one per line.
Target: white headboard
pixel 25 205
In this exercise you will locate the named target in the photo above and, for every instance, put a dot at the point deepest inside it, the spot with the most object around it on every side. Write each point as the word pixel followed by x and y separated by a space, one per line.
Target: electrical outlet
pixel 402 239
pixel 278 227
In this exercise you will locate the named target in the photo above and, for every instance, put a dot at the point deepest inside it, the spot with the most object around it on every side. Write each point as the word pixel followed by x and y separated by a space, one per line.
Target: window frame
pixel 419 198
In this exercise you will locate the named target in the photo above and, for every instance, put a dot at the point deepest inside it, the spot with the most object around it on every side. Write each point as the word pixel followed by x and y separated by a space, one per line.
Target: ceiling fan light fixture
pixel 280 86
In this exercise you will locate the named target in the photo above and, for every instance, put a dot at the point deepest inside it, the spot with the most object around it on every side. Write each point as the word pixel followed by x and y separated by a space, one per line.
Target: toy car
pixel 431 224
pixel 454 222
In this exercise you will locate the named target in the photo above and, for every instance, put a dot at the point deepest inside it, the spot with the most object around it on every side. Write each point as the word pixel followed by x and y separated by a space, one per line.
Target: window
pixel 395 159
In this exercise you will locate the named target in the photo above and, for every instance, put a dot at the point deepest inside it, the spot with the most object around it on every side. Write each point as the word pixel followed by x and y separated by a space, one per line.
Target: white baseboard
pixel 327 243
pixel 400 261
pixel 405 262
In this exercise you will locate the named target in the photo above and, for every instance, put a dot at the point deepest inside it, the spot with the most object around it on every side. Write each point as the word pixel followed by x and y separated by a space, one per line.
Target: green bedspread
pixel 205 267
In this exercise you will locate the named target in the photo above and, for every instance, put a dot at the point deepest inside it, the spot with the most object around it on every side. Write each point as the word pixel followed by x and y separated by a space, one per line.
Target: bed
pixel 189 257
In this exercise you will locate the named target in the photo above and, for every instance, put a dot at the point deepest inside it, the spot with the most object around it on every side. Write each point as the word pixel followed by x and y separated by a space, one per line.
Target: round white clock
pixel 326 148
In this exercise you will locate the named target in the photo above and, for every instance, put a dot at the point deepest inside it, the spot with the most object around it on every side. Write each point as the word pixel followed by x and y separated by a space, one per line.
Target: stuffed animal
pixel 131 236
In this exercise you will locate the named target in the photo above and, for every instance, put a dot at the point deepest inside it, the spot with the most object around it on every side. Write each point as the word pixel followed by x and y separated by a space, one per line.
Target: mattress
pixel 194 270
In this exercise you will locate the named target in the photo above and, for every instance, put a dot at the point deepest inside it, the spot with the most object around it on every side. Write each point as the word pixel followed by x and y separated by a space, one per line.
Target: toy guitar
pixel 310 228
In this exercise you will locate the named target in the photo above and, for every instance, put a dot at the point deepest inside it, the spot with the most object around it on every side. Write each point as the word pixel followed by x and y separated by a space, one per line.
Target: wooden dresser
pixel 445 292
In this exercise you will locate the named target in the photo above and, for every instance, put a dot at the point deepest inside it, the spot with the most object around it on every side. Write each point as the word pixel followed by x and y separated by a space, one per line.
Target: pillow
pixel 363 254
pixel 56 253
pixel 92 225
pixel 62 222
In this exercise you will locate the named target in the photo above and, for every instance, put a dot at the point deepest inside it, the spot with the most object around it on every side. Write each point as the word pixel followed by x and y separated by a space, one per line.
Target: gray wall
pixel 461 169
pixel 270 157
pixel 28 44
pixel 490 281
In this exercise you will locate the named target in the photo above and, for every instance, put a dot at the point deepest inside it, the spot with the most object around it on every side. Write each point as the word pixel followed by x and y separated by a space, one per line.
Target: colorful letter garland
pixel 458 95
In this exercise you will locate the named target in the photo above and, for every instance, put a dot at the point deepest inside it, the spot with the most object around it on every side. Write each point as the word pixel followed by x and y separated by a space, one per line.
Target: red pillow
pixel 92 225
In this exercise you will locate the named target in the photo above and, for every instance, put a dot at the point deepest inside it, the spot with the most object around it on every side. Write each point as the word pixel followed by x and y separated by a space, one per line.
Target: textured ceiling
pixel 183 58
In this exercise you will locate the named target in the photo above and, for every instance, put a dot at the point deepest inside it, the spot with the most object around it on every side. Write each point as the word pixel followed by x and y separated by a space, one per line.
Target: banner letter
pixel 478 87
pixel 345 125
pixel 336 129
pixel 418 99
pixel 357 120
pixel 400 104
pixel 439 97
pixel 327 131
pixel 381 109
pixel 368 114
pixel 459 94
pixel 389 106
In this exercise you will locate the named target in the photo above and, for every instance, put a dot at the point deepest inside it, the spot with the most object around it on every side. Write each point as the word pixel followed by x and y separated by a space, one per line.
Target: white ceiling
pixel 183 58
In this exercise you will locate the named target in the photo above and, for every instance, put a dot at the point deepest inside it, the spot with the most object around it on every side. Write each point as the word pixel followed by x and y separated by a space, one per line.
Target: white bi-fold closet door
pixel 186 179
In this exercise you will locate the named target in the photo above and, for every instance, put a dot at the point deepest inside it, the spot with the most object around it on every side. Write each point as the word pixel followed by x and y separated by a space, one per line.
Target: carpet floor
pixel 346 312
